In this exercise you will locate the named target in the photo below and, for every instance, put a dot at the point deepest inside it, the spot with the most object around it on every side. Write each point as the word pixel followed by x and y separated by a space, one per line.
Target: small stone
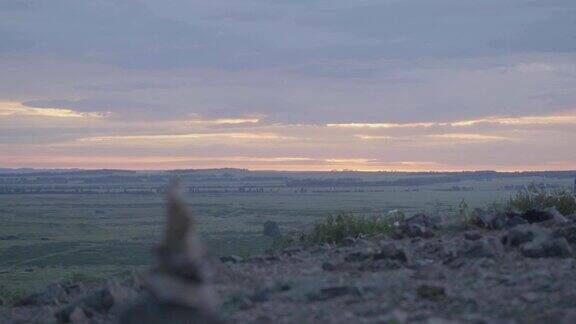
pixel 271 229
pixel 78 316
pixel 348 241
pixel 432 292
pixel 356 256
pixel 231 259
pixel 327 266
pixel 425 220
pixel 292 250
pixel 334 292
pixel 489 220
pixel 473 236
pixel 391 251
pixel 520 235
pixel 417 230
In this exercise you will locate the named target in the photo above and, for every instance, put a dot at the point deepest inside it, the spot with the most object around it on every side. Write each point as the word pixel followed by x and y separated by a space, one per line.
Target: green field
pixel 52 236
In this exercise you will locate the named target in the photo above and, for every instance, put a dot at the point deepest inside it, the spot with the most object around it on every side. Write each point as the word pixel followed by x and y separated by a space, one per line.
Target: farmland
pixel 60 224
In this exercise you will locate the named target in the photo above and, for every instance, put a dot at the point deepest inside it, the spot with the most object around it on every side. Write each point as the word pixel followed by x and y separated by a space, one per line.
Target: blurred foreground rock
pixel 179 287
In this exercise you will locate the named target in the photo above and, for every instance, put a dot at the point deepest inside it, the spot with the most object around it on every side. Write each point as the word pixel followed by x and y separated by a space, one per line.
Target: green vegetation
pixel 335 228
pixel 10 295
pixel 537 198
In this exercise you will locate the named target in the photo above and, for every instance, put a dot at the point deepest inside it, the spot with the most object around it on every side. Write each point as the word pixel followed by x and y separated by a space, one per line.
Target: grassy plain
pixel 53 236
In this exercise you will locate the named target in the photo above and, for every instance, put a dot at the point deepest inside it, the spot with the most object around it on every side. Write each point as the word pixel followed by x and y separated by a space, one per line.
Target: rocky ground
pixel 498 268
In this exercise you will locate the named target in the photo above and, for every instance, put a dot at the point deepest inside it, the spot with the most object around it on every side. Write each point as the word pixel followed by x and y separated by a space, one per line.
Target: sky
pixel 406 85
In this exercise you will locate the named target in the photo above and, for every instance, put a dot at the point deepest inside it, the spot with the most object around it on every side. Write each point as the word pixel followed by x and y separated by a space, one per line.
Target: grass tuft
pixel 10 295
pixel 335 228
pixel 538 198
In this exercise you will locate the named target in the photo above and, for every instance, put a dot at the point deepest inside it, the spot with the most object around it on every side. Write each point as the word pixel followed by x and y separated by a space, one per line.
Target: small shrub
pixel 78 277
pixel 335 228
pixel 538 198
pixel 10 295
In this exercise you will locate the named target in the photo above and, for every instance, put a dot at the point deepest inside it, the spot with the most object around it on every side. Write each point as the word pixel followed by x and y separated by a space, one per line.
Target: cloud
pixel 462 84
pixel 11 109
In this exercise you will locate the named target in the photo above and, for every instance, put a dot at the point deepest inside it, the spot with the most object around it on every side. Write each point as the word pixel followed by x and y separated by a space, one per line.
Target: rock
pixel 489 220
pixel 484 248
pixel 99 302
pixel 357 256
pixel 327 266
pixel 271 229
pixel 515 220
pixel 433 222
pixel 334 292
pixel 547 247
pixel 520 235
pixel 348 241
pixel 432 292
pixel 567 232
pixel 292 250
pixel 537 216
pixel 417 230
pixel 391 251
pixel 557 216
pixel 473 236
pixel 78 316
pixel 231 259
pixel 179 286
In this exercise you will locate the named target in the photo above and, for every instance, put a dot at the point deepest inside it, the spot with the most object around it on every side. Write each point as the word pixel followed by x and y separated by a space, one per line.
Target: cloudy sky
pixel 288 84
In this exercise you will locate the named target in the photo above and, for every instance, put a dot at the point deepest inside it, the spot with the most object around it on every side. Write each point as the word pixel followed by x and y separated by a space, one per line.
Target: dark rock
pixel 231 258
pixel 417 230
pixel 473 236
pixel 515 220
pixel 78 316
pixel 567 232
pixel 8 238
pixel 433 222
pixel 334 292
pixel 432 292
pixel 292 250
pixel 391 251
pixel 327 266
pixel 520 235
pixel 537 216
pixel 348 241
pixel 357 256
pixel 547 247
pixel 271 229
pixel 489 220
